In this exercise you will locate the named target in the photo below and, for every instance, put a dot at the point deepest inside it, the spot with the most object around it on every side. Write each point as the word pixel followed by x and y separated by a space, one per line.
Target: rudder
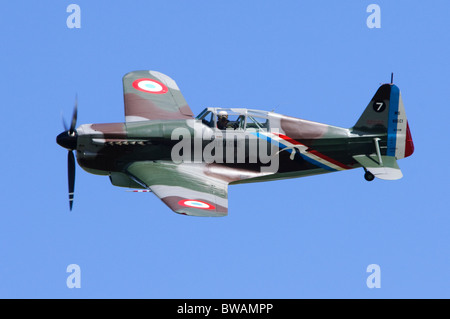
pixel 385 114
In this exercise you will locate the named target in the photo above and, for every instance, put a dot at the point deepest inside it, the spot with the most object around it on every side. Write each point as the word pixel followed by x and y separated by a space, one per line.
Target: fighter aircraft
pixel 188 162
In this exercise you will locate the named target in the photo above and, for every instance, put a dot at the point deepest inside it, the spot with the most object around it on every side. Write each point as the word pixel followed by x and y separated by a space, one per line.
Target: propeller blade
pixel 71 176
pixel 64 122
pixel 74 116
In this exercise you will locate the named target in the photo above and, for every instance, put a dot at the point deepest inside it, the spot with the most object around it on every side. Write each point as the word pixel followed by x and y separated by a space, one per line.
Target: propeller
pixel 68 140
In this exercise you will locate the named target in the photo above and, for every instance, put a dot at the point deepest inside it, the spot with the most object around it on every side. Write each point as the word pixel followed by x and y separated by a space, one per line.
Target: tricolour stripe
pixel 392 121
pixel 312 156
pixel 402 130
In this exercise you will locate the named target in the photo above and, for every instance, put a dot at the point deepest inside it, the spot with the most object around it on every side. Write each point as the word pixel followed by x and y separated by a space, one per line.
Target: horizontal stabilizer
pixel 383 167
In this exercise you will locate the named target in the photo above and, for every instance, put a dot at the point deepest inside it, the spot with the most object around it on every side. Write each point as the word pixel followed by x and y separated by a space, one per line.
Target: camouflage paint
pixel 137 153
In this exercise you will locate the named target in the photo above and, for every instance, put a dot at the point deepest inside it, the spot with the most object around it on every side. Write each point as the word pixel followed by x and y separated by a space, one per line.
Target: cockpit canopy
pixel 233 118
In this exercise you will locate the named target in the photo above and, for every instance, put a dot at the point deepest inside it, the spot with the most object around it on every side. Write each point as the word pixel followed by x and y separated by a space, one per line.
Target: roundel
pixel 150 86
pixel 195 204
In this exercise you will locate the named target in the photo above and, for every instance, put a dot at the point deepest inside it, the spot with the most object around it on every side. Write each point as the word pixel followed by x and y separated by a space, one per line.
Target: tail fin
pixel 385 114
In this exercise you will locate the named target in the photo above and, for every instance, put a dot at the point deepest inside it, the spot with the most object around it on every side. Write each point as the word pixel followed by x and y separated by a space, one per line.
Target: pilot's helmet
pixel 223 114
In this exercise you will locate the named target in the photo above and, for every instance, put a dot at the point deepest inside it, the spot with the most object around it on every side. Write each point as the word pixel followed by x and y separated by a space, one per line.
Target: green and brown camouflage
pixel 256 146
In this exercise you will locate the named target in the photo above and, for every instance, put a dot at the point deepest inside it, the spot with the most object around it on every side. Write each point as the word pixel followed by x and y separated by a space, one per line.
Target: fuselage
pixel 284 147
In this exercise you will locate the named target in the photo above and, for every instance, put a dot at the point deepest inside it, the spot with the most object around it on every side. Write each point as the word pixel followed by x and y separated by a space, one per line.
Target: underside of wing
pixel 185 188
pixel 150 95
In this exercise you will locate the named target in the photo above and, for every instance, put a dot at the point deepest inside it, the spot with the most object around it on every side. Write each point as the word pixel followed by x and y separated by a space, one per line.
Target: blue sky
pixel 302 238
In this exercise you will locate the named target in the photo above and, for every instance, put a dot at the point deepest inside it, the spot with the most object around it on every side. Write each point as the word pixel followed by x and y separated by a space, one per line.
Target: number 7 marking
pixel 380 105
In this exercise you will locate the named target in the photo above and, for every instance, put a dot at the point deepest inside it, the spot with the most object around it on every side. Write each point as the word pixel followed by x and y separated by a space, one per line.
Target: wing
pixel 150 95
pixel 185 188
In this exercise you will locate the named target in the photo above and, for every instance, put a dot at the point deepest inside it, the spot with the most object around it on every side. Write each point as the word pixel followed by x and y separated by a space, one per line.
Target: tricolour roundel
pixel 150 86
pixel 195 204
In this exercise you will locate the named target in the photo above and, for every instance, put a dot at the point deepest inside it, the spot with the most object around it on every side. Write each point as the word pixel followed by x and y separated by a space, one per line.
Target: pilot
pixel 222 121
